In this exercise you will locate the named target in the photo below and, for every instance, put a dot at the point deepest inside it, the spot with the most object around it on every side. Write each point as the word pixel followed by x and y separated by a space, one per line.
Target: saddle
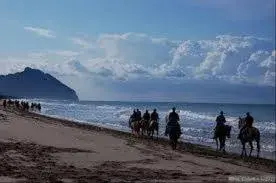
pixel 249 131
pixel 222 129
pixel 170 127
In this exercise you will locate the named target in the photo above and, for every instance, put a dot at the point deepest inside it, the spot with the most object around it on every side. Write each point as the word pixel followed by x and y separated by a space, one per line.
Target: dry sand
pixel 35 148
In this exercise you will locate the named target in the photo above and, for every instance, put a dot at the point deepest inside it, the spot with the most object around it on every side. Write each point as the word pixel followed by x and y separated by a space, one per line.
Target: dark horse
pixel 174 133
pixel 221 132
pixel 153 126
pixel 249 135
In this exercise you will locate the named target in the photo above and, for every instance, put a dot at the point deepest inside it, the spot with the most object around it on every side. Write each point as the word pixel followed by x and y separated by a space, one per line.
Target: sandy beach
pixel 36 148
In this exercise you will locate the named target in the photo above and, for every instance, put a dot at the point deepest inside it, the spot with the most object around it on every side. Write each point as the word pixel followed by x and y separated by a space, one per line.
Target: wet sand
pixel 36 148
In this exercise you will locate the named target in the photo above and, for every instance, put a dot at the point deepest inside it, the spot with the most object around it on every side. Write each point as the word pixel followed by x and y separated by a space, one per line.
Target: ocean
pixel 197 119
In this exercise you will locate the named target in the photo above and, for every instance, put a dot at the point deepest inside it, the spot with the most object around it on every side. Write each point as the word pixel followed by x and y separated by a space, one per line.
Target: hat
pixel 173 108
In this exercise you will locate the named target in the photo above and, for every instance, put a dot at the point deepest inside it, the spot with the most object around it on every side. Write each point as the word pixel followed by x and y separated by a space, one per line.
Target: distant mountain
pixel 33 83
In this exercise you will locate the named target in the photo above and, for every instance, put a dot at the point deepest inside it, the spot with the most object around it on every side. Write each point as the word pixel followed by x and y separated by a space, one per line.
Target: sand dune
pixel 35 148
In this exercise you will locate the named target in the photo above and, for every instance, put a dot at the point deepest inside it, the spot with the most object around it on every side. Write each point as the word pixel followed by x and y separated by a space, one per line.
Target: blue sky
pixel 228 41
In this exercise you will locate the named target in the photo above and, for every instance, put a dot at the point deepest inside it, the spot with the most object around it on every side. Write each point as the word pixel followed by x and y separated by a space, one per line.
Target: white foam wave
pixel 194 115
pixel 106 107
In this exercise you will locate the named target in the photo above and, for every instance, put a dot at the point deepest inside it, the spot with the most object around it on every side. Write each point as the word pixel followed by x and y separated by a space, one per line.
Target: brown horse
pixel 135 126
pixel 153 126
pixel 248 135
pixel 144 126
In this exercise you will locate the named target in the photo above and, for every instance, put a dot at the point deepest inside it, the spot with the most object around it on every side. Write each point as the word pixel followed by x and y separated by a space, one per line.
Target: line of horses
pixel 143 127
pixel 24 106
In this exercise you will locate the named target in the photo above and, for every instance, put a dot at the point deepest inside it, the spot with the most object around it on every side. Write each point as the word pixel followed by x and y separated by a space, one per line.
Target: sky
pixel 146 50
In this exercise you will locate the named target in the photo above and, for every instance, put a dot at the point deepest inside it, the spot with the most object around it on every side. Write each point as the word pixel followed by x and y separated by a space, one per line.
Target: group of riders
pixel 150 118
pixel 173 120
pixel 25 106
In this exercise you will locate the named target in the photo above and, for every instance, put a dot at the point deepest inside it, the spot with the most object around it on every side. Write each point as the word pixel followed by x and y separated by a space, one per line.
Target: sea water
pixel 197 120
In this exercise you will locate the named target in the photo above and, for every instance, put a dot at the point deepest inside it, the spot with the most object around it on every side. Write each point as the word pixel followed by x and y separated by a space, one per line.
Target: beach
pixel 36 148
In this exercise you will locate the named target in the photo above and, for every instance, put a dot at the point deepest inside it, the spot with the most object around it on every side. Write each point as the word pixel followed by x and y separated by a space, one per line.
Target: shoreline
pixel 161 138
pixel 69 151
pixel 182 146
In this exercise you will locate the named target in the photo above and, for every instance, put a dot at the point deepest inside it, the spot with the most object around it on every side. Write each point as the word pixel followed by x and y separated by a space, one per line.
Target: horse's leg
pixel 157 130
pixel 258 148
pixel 223 143
pixel 217 143
pixel 251 148
pixel 175 142
pixel 243 149
pixel 245 153
pixel 220 143
pixel 258 143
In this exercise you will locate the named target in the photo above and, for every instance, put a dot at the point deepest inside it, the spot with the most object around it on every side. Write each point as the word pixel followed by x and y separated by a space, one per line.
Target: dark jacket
pixel 146 116
pixel 249 120
pixel 220 120
pixel 154 116
pixel 173 117
pixel 138 115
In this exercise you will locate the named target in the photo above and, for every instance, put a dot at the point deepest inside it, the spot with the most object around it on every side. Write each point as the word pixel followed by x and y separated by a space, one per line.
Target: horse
pixel 135 126
pixel 221 132
pixel 174 133
pixel 248 135
pixel 153 126
pixel 144 124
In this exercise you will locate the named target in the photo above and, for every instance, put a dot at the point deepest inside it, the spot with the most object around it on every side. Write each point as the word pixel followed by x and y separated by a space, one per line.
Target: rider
pixel 154 116
pixel 220 123
pixel 146 116
pixel 173 120
pixel 138 115
pixel 248 123
pixel 133 117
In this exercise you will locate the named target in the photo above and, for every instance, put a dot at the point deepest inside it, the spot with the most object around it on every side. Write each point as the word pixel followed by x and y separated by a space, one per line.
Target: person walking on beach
pixel 220 123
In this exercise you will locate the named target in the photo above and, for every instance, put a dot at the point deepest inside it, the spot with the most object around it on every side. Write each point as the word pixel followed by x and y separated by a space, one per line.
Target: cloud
pixel 133 61
pixel 82 42
pixel 41 31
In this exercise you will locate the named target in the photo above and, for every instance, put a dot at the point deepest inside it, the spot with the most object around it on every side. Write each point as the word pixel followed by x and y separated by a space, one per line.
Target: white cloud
pixel 41 31
pixel 139 58
pixel 82 42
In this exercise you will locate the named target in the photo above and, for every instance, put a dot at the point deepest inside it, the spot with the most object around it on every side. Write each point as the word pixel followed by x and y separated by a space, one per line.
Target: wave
pixel 106 107
pixel 197 127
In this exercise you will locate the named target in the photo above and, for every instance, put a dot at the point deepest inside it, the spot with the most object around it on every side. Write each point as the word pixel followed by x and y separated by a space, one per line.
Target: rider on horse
pixel 138 115
pixel 133 117
pixel 248 123
pixel 146 116
pixel 154 116
pixel 220 124
pixel 173 121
